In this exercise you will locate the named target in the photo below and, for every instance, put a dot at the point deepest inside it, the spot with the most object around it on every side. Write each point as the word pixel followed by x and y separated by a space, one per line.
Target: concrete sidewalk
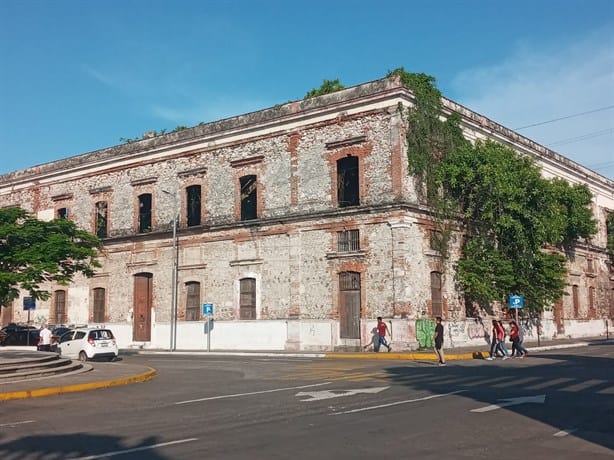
pixel 104 375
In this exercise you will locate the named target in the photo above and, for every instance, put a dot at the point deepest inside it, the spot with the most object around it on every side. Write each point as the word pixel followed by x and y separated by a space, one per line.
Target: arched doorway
pixel 142 304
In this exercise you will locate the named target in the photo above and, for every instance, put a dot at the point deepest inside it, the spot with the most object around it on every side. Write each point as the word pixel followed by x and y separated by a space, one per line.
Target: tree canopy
pixel 33 252
pixel 515 224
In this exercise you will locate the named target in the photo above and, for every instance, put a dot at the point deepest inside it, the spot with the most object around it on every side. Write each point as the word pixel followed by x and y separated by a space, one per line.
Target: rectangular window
pixel 145 213
pixel 347 182
pixel 99 305
pixel 436 300
pixel 247 302
pixel 576 301
pixel 249 197
pixel 101 219
pixel 62 213
pixel 193 205
pixel 348 241
pixel 590 266
pixel 591 298
pixel 60 306
pixel 192 307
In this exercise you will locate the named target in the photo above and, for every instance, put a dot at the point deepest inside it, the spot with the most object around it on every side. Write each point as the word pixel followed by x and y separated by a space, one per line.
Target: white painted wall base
pixel 323 335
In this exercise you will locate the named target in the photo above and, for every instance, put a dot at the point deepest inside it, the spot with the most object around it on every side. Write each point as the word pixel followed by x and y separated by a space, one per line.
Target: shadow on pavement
pixel 75 446
pixel 579 390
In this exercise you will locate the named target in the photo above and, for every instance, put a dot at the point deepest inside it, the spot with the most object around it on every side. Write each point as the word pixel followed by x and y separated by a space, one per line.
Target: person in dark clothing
pixel 438 338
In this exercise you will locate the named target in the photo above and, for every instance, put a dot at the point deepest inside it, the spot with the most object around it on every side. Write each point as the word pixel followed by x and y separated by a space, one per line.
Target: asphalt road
pixel 551 405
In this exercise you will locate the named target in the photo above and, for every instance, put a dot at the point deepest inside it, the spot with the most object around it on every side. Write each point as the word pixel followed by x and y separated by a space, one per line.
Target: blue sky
pixel 76 76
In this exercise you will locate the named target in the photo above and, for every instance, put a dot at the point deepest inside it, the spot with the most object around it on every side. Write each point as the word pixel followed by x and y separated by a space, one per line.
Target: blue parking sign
pixel 207 309
pixel 516 301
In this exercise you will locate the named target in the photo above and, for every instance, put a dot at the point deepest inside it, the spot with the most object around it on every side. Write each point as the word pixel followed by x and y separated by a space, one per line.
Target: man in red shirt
pixel 382 331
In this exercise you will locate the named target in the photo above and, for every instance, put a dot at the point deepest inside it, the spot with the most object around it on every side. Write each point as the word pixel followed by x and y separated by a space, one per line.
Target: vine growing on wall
pixel 511 218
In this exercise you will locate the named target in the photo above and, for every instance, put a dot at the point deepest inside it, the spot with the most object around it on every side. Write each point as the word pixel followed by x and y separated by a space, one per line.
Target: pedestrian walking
pixel 501 340
pixel 498 341
pixel 382 331
pixel 438 338
pixel 44 341
pixel 493 341
pixel 518 351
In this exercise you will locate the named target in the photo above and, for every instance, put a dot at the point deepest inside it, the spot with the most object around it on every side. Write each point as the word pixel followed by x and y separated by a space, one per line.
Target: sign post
pixel 516 303
pixel 29 304
pixel 208 312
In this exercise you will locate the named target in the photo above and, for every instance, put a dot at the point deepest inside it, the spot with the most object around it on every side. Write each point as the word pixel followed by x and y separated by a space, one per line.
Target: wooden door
pixel 143 293
pixel 349 305
pixel 558 317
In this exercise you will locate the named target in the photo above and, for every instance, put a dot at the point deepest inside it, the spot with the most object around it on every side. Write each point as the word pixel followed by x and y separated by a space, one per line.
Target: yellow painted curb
pixel 408 356
pixel 78 387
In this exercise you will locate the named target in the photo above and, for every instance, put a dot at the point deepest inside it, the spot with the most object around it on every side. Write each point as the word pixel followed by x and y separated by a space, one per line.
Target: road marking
pixel 396 403
pixel 581 386
pixel 539 399
pixel 550 383
pixel 17 423
pixel 137 449
pixel 563 433
pixel 329 394
pixel 238 395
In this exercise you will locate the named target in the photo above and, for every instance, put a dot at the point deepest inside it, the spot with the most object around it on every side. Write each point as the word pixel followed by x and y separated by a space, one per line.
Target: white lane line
pixel 238 395
pixel 16 423
pixel 563 433
pixel 396 403
pixel 137 449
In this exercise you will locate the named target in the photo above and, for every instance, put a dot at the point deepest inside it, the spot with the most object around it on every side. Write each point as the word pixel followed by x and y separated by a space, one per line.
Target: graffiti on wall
pixel 425 329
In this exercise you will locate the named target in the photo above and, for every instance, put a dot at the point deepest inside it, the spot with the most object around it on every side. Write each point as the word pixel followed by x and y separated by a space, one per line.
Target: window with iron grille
pixel 60 306
pixel 247 301
pixel 436 300
pixel 193 205
pixel 145 213
pixel 348 241
pixel 192 306
pixel 99 305
pixel 101 219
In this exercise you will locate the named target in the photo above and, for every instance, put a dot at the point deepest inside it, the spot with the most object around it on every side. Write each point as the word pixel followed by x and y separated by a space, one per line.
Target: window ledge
pixel 191 266
pixel 345 255
pixel 239 263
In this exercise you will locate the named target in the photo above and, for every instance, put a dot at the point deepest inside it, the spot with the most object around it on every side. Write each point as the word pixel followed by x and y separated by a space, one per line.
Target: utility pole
pixel 174 275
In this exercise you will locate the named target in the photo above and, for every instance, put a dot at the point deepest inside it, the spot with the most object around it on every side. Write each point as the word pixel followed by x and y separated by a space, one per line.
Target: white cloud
pixel 535 85
pixel 99 76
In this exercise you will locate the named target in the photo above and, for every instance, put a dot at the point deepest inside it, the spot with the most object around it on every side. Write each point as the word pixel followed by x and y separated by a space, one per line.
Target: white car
pixel 89 343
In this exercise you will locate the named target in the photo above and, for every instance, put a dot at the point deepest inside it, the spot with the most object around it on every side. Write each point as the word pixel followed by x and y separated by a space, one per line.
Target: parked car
pixel 89 343
pixel 20 337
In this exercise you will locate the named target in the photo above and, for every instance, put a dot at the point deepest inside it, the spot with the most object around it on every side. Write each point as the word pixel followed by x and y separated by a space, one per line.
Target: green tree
pixel 33 252
pixel 512 220
pixel 328 86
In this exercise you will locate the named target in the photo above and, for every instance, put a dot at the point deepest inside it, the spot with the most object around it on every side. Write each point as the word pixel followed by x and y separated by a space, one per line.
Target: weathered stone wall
pixel 291 249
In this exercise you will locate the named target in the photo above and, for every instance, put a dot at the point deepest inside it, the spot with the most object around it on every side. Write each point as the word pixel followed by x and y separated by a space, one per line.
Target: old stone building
pixel 300 224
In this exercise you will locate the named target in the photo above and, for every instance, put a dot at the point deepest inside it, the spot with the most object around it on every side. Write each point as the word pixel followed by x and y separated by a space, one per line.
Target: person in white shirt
pixel 44 343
